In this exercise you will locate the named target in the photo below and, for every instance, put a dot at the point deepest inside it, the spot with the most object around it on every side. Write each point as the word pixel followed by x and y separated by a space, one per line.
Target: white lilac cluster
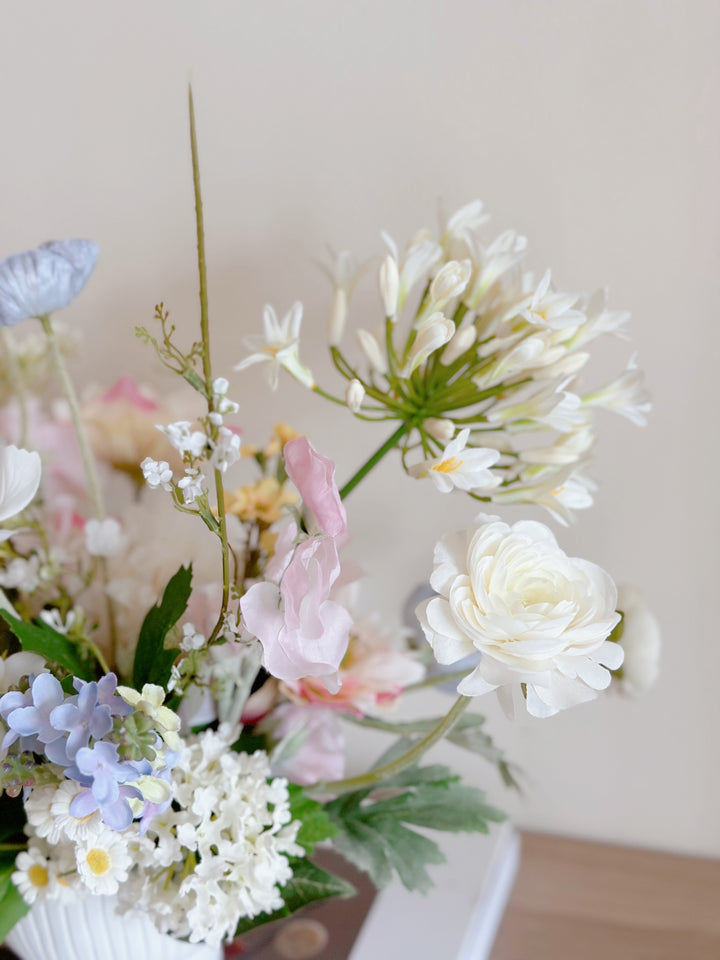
pixel 483 371
pixel 219 853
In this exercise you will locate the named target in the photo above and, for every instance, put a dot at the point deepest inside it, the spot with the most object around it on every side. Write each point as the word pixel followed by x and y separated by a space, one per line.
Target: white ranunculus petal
pixel 40 281
pixel 20 472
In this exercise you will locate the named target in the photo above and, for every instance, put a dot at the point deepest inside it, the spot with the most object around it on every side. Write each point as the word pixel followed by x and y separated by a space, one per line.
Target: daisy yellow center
pixel 98 861
pixel 448 466
pixel 38 875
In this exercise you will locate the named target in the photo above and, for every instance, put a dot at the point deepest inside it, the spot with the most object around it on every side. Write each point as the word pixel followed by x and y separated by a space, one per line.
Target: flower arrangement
pixel 172 716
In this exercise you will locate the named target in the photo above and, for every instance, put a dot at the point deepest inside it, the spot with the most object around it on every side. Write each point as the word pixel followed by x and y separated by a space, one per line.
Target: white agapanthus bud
pixel 103 538
pixel 462 340
pixel 439 429
pixel 434 332
pixel 354 395
pixel 371 348
pixel 389 282
pixel 338 316
pixel 450 281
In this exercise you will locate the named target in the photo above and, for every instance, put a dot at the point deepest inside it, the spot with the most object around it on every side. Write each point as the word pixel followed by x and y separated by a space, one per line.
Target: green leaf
pixel 316 825
pixel 308 885
pixel 39 637
pixel 373 834
pixel 152 661
pixel 12 905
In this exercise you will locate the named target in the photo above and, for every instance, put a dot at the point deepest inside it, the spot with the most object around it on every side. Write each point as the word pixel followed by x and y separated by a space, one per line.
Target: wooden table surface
pixel 574 900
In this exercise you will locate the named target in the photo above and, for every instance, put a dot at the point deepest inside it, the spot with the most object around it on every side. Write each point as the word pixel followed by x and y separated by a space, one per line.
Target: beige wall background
pixel 590 127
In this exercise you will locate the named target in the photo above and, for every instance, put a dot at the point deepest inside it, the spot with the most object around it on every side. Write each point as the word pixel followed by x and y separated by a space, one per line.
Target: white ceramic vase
pixel 90 929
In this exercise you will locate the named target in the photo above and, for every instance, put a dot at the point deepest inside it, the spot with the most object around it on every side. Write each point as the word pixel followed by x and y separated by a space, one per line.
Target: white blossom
pixel 184 439
pixel 460 467
pixel 536 616
pixel 20 472
pixel 157 473
pixel 625 395
pixel 226 449
pixel 434 332
pixel 279 346
pixel 104 538
pixel 450 281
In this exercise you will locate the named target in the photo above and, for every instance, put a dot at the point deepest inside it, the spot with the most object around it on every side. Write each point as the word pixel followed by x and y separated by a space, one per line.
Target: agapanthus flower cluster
pixel 480 363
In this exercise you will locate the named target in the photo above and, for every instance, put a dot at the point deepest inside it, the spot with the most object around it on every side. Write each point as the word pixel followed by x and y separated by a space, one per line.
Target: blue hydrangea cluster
pixel 98 740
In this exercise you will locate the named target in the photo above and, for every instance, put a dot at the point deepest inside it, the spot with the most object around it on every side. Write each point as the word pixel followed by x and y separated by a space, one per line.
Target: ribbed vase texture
pixel 90 929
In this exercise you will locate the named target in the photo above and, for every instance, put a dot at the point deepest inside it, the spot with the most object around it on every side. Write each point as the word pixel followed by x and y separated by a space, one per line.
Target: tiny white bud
pixel 389 283
pixel 439 428
pixel 220 386
pixel 450 281
pixel 462 340
pixel 354 395
pixel 371 348
pixel 338 316
pixel 215 419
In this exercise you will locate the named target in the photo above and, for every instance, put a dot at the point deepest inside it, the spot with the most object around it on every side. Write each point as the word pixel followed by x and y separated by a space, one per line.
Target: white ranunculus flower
pixel 536 616
pixel 640 640
pixel 40 281
pixel 19 479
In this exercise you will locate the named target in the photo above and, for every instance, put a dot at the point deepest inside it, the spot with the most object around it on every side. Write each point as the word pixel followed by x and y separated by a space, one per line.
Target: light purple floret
pixel 82 717
pixel 34 720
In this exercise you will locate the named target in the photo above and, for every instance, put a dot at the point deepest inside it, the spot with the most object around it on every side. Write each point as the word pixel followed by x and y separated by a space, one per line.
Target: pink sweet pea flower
pixel 302 632
pixel 314 476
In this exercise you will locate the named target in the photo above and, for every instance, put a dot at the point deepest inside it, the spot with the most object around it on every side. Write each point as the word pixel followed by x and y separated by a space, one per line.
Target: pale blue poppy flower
pixel 40 281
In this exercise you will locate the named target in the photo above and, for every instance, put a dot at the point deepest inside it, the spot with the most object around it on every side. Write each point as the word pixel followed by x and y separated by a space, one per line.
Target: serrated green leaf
pixel 39 637
pixel 384 845
pixel 152 661
pixel 12 905
pixel 372 832
pixel 309 884
pixel 316 825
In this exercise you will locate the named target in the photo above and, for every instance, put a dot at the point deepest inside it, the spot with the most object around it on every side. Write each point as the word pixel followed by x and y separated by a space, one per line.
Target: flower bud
pixel 439 429
pixel 463 339
pixel 450 281
pixel 371 348
pixel 389 283
pixel 434 332
pixel 354 395
pixel 338 316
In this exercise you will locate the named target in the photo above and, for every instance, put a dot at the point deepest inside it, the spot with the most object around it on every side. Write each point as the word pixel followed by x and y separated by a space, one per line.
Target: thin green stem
pixel 436 680
pixel 91 477
pixel 411 756
pixel 11 847
pixel 80 432
pixel 207 365
pixel 17 382
pixel 375 459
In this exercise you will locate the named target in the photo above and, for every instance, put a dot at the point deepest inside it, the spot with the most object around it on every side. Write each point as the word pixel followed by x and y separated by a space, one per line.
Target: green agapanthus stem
pixel 391 442
pixel 375 777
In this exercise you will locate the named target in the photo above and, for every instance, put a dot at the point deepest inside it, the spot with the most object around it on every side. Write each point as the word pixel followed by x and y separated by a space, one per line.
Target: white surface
pixel 458 919
pixel 590 127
